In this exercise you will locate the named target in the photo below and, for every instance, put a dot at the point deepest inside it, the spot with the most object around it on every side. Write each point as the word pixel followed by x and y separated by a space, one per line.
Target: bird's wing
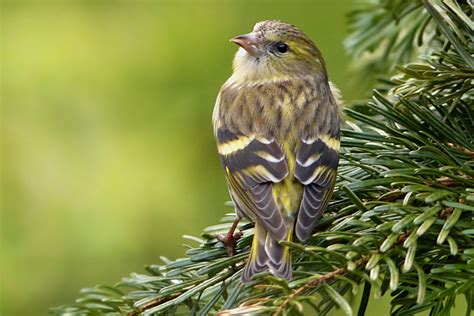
pixel 316 166
pixel 252 164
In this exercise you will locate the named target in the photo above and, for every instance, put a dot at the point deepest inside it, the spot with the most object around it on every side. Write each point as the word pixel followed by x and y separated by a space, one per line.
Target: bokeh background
pixel 108 156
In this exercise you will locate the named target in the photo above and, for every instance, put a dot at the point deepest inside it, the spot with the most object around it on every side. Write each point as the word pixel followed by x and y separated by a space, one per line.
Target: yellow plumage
pixel 287 193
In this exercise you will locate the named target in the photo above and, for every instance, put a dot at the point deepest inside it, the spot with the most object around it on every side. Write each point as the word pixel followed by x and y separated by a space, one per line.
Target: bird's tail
pixel 267 254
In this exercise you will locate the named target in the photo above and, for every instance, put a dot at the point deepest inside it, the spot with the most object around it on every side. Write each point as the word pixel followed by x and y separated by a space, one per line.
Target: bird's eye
pixel 281 47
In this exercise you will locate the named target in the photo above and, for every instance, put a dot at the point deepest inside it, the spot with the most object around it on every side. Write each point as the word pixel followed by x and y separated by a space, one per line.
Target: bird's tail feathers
pixel 267 254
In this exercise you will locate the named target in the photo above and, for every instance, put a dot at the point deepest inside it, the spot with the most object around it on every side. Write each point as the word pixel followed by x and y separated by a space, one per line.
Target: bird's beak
pixel 250 42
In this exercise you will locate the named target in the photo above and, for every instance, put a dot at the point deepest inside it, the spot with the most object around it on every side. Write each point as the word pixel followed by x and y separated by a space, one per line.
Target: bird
pixel 277 125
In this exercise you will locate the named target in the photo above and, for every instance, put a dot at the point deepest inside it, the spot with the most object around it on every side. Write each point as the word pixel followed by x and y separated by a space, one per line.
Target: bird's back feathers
pixel 281 167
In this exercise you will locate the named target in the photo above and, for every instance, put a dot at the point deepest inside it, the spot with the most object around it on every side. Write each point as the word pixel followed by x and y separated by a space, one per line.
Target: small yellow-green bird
pixel 276 121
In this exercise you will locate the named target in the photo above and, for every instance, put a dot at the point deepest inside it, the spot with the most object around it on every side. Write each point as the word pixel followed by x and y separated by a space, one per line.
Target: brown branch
pixel 393 196
pixel 462 149
pixel 449 182
pixel 315 282
pixel 153 303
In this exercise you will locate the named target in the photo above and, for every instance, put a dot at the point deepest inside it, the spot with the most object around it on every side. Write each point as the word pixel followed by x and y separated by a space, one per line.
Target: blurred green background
pixel 108 156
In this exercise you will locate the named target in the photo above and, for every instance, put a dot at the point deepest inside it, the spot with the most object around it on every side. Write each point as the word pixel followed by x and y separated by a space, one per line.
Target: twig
pixel 316 282
pixel 153 303
pixel 462 149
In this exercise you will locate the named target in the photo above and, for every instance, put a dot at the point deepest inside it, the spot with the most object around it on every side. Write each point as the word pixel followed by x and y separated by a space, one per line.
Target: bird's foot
pixel 229 240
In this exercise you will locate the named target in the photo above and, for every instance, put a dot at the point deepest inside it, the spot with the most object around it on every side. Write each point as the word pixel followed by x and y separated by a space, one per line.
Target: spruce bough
pixel 401 220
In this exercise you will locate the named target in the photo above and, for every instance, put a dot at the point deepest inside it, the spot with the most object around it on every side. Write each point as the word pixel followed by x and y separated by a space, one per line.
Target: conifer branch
pixel 401 220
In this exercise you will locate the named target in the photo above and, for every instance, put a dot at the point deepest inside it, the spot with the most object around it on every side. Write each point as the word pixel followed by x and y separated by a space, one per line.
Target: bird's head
pixel 274 51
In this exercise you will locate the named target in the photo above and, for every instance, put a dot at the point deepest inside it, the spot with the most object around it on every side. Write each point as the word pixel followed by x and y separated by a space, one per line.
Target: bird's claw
pixel 229 241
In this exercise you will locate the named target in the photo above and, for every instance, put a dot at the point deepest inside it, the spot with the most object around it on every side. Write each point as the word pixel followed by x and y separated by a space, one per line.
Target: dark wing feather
pixel 252 165
pixel 316 165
